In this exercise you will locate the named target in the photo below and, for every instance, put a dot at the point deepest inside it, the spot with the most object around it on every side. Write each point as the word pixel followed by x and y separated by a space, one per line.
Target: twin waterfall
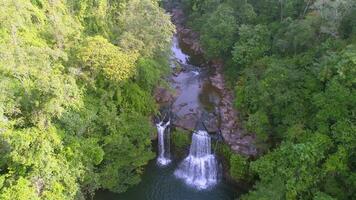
pixel 200 168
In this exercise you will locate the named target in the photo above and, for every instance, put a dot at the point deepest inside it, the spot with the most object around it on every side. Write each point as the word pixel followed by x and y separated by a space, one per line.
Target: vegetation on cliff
pixel 292 64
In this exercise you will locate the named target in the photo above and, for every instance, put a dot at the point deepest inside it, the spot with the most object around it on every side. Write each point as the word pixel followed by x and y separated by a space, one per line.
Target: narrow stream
pixel 193 178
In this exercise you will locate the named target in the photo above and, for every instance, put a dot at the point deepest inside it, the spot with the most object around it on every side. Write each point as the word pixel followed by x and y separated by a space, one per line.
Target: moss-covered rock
pixel 181 140
pixel 236 165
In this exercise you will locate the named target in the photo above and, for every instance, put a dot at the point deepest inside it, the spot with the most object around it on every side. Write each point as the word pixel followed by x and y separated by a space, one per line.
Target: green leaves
pixel 20 190
pixel 253 43
pixel 259 124
pixel 148 29
pixel 293 66
pixel 296 164
pixel 219 32
pixel 148 73
pixel 126 152
pixel 238 167
pixel 97 55
pixel 74 106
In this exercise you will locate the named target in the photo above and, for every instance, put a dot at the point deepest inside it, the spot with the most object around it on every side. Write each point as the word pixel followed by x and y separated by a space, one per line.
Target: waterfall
pixel 163 144
pixel 200 168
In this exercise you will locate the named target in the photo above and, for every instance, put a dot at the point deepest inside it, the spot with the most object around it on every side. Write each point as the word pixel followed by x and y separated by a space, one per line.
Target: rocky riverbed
pixel 200 93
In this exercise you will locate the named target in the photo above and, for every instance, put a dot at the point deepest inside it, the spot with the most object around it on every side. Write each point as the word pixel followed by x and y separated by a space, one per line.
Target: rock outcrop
pixel 188 36
pixel 232 132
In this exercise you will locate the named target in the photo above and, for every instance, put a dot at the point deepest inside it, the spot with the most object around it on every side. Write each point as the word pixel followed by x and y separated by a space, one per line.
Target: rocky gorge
pixel 200 93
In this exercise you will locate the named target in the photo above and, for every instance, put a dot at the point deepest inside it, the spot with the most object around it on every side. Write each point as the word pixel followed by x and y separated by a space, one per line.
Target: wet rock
pixel 183 104
pixel 188 36
pixel 212 124
pixel 187 122
pixel 226 118
pixel 177 70
pixel 163 95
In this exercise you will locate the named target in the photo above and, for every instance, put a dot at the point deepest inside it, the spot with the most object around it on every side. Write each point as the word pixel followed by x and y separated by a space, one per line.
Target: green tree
pixel 147 28
pixel 74 107
pixel 219 31
pixel 254 43
pixel 98 56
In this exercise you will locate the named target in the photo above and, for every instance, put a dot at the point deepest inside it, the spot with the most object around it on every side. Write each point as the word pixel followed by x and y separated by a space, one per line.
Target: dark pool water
pixel 159 183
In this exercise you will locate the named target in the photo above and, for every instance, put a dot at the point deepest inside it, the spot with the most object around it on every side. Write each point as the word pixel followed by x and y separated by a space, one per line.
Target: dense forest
pixel 77 77
pixel 75 94
pixel 292 65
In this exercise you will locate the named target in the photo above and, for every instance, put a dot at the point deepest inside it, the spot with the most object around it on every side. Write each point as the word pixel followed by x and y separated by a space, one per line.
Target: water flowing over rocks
pixel 188 37
pixel 164 154
pixel 225 117
pixel 200 168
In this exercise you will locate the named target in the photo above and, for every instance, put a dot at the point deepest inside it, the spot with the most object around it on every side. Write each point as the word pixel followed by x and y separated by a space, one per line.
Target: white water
pixel 200 168
pixel 178 54
pixel 196 73
pixel 163 144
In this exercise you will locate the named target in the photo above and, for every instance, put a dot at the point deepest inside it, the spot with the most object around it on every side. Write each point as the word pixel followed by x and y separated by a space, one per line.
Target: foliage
pixel 238 167
pixel 181 140
pixel 20 190
pixel 147 28
pixel 132 142
pixel 219 32
pixel 223 150
pixel 253 44
pixel 97 56
pixel 149 73
pixel 292 64
pixel 74 106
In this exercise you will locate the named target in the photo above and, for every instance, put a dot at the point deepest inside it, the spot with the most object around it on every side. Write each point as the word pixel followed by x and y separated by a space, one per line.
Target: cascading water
pixel 163 143
pixel 200 168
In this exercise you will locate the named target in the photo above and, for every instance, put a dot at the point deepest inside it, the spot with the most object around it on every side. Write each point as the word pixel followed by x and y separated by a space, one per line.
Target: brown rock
pixel 187 122
pixel 163 95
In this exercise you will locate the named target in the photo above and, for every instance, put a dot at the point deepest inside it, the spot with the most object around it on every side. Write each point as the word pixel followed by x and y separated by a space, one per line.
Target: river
pixel 159 182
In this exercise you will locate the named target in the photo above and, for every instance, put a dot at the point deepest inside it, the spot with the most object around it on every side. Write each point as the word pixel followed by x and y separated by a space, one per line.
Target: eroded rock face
pixel 211 123
pixel 237 138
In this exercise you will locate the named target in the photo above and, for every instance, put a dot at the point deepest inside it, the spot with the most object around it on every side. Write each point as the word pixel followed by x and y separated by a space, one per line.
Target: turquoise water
pixel 159 183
